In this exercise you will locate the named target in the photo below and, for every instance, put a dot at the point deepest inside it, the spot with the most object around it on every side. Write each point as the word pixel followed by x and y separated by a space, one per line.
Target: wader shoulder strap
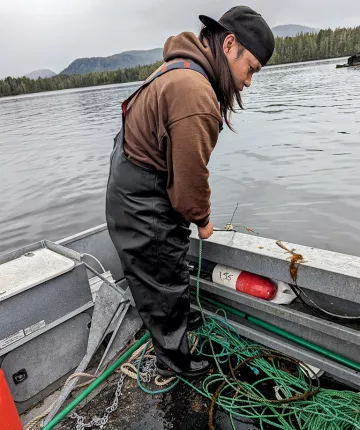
pixel 167 67
pixel 164 69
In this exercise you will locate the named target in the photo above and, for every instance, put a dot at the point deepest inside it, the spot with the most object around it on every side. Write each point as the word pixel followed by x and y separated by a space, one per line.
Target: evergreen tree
pixel 325 44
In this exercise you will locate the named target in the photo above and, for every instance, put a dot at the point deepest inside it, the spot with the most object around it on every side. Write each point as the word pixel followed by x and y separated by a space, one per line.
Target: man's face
pixel 242 65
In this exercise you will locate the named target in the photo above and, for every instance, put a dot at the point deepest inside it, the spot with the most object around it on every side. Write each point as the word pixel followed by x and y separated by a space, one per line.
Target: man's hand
pixel 206 232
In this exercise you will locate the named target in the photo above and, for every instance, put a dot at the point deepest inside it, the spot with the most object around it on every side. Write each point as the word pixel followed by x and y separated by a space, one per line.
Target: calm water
pixel 293 166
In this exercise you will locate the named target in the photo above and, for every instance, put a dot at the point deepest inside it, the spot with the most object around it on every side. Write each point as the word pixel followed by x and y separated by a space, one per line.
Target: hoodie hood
pixel 188 46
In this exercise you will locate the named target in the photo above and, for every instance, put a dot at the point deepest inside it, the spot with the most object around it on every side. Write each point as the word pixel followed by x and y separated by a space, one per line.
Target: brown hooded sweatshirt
pixel 173 125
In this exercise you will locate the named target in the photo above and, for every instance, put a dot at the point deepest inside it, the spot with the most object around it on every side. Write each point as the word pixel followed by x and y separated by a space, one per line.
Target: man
pixel 158 182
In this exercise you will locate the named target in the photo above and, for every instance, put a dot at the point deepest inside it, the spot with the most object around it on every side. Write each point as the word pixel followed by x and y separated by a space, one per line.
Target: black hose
pixel 318 311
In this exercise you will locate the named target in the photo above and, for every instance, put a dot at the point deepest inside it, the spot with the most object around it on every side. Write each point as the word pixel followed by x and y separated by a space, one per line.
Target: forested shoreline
pixel 305 47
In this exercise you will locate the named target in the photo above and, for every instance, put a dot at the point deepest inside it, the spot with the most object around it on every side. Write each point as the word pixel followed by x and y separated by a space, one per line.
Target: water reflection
pixel 292 165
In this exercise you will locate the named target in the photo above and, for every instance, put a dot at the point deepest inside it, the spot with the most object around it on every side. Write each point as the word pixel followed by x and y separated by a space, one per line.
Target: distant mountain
pixel 292 30
pixel 42 73
pixel 114 62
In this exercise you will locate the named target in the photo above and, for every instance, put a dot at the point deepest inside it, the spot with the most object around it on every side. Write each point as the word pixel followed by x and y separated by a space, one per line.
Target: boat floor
pixel 180 409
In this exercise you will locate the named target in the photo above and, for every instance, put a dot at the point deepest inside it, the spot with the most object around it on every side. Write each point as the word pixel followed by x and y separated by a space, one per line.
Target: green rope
pixel 327 410
pixel 160 391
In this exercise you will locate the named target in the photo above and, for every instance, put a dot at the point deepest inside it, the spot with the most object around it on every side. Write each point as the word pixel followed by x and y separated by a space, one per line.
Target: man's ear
pixel 229 43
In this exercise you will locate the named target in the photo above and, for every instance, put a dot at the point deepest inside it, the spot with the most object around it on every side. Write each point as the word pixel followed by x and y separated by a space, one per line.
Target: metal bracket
pixel 111 306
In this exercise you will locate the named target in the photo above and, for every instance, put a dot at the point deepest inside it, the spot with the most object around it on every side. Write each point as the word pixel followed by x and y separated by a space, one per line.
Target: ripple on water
pixel 292 165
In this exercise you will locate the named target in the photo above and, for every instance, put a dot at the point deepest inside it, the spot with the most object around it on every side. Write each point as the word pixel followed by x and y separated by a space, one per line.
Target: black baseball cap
pixel 250 29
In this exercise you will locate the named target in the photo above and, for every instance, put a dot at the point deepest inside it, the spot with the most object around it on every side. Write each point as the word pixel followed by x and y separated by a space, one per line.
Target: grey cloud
pixel 50 34
pixel 318 13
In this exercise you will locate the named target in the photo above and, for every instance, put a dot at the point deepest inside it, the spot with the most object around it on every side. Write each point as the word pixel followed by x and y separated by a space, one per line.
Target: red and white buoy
pixel 245 282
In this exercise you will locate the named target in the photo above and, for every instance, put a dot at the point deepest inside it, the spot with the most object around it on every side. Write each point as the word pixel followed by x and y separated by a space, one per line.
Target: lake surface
pixel 293 166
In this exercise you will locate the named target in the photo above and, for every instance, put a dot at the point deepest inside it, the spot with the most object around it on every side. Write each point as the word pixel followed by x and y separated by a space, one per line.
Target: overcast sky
pixel 49 34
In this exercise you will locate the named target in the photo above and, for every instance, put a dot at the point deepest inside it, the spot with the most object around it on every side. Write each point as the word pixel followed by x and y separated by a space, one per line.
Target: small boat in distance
pixel 353 61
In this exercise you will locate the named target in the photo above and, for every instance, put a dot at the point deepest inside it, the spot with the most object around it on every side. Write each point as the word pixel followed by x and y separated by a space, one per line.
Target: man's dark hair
pixel 225 86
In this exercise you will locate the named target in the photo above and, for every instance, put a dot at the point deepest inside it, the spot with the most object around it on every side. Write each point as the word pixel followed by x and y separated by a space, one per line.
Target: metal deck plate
pixel 31 269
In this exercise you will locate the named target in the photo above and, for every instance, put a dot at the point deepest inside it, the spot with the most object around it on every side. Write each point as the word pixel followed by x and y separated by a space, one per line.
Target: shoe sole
pixel 193 375
pixel 195 326
pixel 166 373
pixel 169 373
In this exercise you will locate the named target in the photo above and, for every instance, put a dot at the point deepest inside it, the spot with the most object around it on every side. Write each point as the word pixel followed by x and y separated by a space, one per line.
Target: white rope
pixel 33 423
pixel 128 368
pixel 98 262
